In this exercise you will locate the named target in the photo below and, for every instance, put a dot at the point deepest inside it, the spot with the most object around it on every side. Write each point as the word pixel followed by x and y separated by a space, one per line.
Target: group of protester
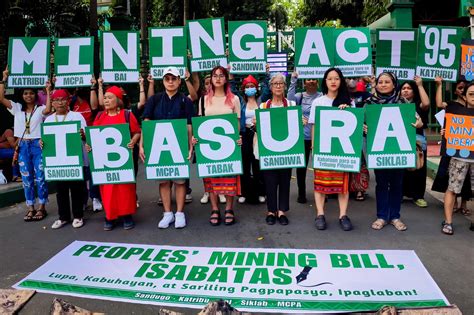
pixel 221 95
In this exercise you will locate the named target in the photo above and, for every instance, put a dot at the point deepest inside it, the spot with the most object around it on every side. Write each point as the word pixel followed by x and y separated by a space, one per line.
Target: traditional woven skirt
pixel 229 186
pixel 331 182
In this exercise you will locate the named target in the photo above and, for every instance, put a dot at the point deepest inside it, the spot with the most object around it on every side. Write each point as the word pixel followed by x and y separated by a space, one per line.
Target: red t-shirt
pixel 84 109
pixel 104 119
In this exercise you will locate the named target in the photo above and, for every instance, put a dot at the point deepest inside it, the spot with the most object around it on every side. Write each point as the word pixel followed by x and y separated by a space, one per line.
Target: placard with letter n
pixel 391 138
pixel 111 161
pixel 167 47
pixel 338 139
pixel 280 138
pixel 74 61
pixel 120 56
pixel 28 61
pixel 217 152
pixel 166 149
pixel 62 151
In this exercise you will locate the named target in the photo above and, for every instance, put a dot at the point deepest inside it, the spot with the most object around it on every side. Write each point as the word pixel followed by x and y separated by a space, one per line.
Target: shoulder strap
pixel 127 116
pixel 300 100
pixel 99 114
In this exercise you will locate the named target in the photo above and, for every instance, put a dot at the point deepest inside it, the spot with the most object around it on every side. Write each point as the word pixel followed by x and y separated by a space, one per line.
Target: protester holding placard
pixel 171 104
pixel 389 181
pixel 336 94
pixel 28 118
pixel 253 186
pixel 459 168
pixel 219 100
pixel 119 200
pixel 305 99
pixel 440 183
pixel 60 101
pixel 414 181
pixel 277 181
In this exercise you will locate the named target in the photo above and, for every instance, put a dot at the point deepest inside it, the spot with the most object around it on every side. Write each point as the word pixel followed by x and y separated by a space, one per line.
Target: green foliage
pixel 319 12
pixel 373 10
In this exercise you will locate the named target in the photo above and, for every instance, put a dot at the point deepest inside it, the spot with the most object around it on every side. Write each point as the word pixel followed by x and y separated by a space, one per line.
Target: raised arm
pixel 48 110
pixel 3 100
pixel 142 98
pixel 151 86
pixel 292 89
pixel 439 93
pixel 266 93
pixel 196 81
pixel 93 96
pixel 192 92
pixel 100 92
pixel 425 100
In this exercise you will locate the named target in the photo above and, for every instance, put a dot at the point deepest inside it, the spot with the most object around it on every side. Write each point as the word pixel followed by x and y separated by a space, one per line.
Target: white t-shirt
pixel 322 101
pixel 249 115
pixel 71 116
pixel 20 121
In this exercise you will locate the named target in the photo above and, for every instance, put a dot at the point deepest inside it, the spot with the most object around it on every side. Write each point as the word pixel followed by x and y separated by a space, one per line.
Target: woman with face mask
pixel 253 186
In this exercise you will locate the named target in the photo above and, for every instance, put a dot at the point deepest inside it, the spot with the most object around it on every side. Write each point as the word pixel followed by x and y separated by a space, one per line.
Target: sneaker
pixel 58 224
pixel 421 203
pixel 205 198
pixel 222 199
pixel 97 205
pixel 241 199
pixel 109 225
pixel 262 199
pixel 168 218
pixel 128 222
pixel 180 220
pixel 188 199
pixel 77 223
pixel 160 201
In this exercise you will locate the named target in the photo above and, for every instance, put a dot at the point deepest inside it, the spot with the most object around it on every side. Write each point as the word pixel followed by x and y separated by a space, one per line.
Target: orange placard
pixel 459 132
pixel 467 61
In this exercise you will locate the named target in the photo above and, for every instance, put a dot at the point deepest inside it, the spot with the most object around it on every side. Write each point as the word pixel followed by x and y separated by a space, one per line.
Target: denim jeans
pixel 388 193
pixel 8 154
pixel 30 160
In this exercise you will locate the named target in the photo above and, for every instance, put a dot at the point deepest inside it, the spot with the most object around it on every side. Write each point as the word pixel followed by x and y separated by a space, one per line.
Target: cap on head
pixel 171 70
pixel 360 86
pixel 115 90
pixel 249 79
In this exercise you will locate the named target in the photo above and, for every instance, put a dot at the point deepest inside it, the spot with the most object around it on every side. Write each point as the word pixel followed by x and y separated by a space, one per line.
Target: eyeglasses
pixel 218 76
pixel 278 83
pixel 59 100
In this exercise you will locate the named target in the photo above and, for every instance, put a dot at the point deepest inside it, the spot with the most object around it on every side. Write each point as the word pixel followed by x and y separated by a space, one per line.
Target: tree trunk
pixel 93 27
pixel 185 11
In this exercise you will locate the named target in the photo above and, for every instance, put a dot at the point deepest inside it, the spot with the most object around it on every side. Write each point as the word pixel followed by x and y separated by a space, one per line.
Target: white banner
pixel 254 280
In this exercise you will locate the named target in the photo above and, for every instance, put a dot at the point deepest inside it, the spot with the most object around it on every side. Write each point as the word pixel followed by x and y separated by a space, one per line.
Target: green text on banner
pixel 247 46
pixel 166 149
pixel 338 139
pixel 353 51
pixel 62 151
pixel 120 56
pixel 280 138
pixel 439 48
pixel 111 162
pixel 314 51
pixel 167 47
pixel 391 137
pixel 74 61
pixel 207 44
pixel 256 280
pixel 217 152
pixel 396 52
pixel 28 61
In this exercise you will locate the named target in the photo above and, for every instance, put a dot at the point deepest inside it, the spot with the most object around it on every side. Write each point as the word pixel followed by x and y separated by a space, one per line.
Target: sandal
pixel 29 215
pixel 465 211
pixel 17 179
pixel 40 215
pixel 360 196
pixel 215 220
pixel 229 218
pixel 398 224
pixel 379 224
pixel 447 228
